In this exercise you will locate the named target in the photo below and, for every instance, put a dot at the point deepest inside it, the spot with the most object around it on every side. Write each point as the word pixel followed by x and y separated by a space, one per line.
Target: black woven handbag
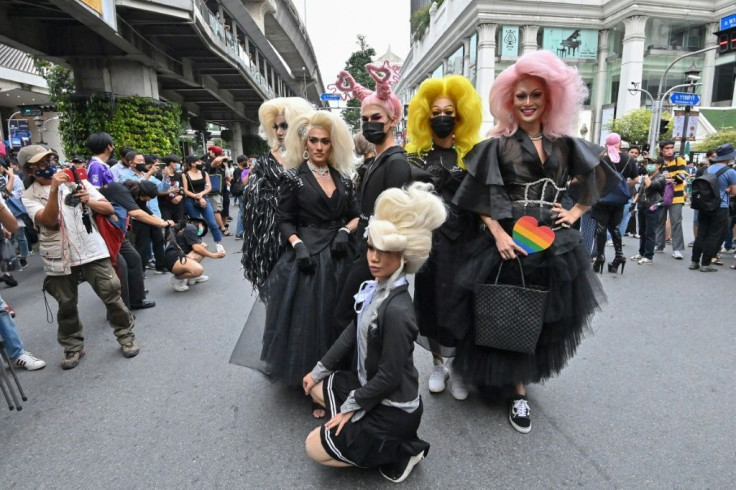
pixel 507 316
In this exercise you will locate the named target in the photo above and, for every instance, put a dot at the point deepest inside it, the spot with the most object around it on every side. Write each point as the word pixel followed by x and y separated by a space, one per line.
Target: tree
pixel 727 135
pixel 634 126
pixel 355 65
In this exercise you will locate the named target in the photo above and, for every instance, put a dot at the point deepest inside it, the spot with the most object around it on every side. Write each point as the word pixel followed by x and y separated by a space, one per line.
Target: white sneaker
pixel 644 261
pixel 609 243
pixel 438 377
pixel 28 361
pixel 179 284
pixel 636 257
pixel 677 255
pixel 195 280
pixel 458 389
pixel 219 248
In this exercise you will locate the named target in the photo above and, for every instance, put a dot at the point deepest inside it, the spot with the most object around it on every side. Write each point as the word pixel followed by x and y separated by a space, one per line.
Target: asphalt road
pixel 644 404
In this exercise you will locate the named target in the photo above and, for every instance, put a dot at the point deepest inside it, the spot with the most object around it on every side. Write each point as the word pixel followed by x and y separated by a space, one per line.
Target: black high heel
pixel 598 264
pixel 617 260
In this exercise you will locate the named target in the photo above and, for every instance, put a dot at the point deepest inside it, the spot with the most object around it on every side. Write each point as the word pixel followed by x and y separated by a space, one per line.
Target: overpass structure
pixel 219 59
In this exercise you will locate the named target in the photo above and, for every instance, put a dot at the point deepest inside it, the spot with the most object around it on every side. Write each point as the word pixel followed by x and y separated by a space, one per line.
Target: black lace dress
pixel 444 309
pixel 507 180
pixel 262 243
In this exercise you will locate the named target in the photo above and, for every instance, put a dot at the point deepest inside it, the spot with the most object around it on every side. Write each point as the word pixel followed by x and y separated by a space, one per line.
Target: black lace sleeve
pixel 482 190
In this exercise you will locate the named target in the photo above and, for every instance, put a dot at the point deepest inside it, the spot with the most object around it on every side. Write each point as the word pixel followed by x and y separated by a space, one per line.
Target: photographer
pixel 102 147
pixel 184 254
pixel 79 253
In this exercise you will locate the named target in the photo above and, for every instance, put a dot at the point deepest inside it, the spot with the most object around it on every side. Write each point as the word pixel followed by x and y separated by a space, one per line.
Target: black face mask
pixel 374 133
pixel 141 167
pixel 442 126
pixel 200 166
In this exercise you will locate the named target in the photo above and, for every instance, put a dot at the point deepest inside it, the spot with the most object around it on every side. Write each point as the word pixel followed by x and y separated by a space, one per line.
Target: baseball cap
pixel 31 154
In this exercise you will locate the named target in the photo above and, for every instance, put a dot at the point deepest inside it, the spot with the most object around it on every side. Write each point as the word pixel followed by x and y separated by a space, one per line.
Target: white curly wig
pixel 289 107
pixel 342 156
pixel 404 220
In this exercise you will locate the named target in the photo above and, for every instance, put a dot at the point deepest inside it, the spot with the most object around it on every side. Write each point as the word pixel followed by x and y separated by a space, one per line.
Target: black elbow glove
pixel 303 258
pixel 340 243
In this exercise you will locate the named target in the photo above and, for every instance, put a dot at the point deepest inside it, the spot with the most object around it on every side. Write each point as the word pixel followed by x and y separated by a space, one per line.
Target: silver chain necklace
pixel 320 172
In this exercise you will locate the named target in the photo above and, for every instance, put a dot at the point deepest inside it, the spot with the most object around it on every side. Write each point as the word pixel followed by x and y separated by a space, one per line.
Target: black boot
pixel 618 246
pixel 600 245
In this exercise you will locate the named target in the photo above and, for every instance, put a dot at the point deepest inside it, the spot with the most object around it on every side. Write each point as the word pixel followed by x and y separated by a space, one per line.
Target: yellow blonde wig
pixel 468 113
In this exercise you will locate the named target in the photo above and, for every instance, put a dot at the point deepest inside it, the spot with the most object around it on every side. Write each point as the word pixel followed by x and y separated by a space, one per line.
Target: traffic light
pixel 663 126
pixel 726 40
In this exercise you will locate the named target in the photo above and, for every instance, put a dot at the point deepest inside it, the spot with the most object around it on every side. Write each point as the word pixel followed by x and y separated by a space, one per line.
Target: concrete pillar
pixel 600 84
pixel 91 74
pixel 236 146
pixel 709 66
pixel 529 39
pixel 466 57
pixel 445 62
pixel 121 77
pixel 632 63
pixel 486 69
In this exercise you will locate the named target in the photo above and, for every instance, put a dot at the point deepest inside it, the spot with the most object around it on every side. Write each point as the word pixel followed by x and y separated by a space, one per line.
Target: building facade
pixel 613 44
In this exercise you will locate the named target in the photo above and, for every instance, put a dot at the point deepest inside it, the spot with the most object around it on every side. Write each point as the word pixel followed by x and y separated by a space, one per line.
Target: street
pixel 644 404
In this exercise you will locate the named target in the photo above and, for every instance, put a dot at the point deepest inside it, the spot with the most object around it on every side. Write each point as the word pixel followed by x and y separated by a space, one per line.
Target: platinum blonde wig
pixel 404 220
pixel 289 107
pixel 341 156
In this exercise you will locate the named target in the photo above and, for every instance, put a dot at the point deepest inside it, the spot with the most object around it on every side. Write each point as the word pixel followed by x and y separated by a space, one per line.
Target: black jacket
pixel 389 169
pixel 304 209
pixel 390 358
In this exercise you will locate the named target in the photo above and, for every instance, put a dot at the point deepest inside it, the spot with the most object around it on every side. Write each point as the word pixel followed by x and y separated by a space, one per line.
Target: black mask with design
pixel 373 132
pixel 442 126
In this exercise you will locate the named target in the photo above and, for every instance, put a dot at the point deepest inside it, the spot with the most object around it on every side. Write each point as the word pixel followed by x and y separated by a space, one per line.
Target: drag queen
pixel 375 408
pixel 524 170
pixel 380 112
pixel 443 126
pixel 317 213
pixel 262 243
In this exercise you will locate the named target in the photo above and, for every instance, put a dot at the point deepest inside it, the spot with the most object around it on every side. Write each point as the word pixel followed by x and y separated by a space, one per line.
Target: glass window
pixel 438 72
pixel 473 56
pixel 670 34
pixel 455 62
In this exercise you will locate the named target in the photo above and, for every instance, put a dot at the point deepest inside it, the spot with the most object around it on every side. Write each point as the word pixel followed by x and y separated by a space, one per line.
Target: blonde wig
pixel 404 220
pixel 468 113
pixel 341 157
pixel 289 107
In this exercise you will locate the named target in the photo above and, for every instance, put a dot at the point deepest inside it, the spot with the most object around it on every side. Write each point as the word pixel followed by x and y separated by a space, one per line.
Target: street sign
pixel 682 98
pixel 728 22
pixel 324 97
pixel 31 110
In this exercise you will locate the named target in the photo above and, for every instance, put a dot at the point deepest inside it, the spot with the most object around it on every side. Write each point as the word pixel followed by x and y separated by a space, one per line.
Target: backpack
pixel 706 193
pixel 619 195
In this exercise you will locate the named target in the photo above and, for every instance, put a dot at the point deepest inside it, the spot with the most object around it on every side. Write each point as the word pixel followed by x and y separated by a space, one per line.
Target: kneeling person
pixel 184 252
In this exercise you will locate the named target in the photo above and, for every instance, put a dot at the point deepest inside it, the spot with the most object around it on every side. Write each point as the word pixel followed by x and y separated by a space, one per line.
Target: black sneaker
pixel 400 471
pixel 519 414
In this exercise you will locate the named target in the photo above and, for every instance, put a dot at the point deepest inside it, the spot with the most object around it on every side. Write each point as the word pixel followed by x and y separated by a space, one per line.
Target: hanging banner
pixel 510 41
pixel 692 125
pixel 579 44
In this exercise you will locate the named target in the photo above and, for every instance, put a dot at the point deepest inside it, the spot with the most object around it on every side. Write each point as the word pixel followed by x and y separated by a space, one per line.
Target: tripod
pixel 5 386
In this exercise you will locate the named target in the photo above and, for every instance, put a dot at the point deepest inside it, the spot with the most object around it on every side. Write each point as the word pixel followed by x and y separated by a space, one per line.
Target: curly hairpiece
pixel 385 76
pixel 342 156
pixel 404 221
pixel 289 107
pixel 468 108
pixel 565 94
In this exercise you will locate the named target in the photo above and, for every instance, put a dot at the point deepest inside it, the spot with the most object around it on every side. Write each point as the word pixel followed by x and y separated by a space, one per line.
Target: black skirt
pixel 575 294
pixel 385 435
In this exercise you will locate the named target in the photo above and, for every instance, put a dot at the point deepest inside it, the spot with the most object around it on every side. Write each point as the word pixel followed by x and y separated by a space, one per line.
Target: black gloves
pixel 303 258
pixel 340 242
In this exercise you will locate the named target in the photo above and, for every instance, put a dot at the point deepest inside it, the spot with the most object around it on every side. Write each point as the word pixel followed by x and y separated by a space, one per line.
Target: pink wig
pixel 564 97
pixel 613 142
pixel 385 76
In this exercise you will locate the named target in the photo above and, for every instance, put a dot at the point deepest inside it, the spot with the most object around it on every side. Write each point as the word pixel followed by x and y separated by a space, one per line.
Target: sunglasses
pixel 283 126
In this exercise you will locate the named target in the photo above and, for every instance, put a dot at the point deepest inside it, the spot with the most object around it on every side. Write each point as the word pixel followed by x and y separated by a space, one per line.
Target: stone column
pixel 529 39
pixel 466 57
pixel 600 84
pixel 486 69
pixel 236 147
pixel 632 63
pixel 709 66
pixel 121 77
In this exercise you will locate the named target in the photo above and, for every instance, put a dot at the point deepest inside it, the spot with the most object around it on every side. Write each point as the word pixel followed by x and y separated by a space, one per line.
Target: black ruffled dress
pixel 507 180
pixel 444 309
pixel 262 243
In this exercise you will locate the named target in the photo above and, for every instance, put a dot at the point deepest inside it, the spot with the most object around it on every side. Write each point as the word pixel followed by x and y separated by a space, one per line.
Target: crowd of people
pixel 332 224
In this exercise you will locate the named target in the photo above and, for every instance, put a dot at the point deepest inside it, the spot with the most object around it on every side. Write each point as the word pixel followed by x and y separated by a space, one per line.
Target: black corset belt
pixel 324 225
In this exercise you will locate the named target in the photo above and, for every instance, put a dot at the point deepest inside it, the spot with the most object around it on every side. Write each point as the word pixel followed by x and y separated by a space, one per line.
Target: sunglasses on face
pixel 283 126
pixel 312 140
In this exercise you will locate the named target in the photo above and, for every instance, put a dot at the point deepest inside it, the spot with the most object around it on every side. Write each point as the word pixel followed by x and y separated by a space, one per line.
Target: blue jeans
pixel 625 220
pixel 207 214
pixel 239 225
pixel 728 239
pixel 22 241
pixel 9 333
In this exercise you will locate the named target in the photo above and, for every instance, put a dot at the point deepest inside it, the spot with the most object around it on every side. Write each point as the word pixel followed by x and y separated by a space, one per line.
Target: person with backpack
pixel 710 198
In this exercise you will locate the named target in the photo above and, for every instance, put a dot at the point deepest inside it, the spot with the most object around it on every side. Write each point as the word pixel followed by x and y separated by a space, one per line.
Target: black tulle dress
pixel 507 180
pixel 299 305
pixel 262 244
pixel 444 309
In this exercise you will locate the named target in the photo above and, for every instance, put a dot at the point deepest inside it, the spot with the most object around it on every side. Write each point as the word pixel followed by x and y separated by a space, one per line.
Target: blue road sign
pixel 728 22
pixel 682 98
pixel 329 97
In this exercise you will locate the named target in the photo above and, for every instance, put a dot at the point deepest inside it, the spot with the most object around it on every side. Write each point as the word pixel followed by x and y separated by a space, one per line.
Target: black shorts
pixel 171 257
pixel 385 435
